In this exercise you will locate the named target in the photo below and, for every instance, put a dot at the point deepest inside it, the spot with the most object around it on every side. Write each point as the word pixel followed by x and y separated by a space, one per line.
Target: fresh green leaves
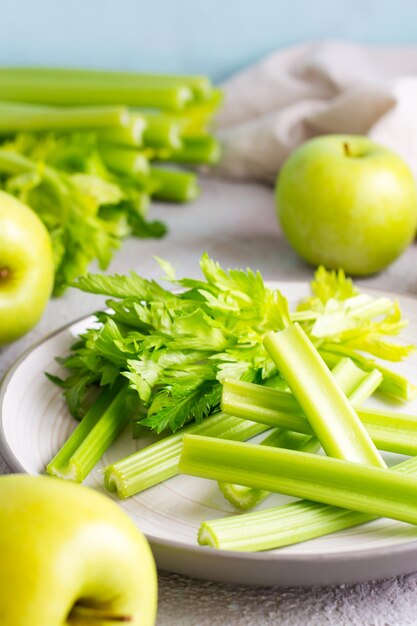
pixel 175 349
pixel 338 315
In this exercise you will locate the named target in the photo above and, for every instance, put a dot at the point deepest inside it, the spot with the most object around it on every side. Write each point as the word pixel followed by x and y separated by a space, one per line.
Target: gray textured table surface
pixel 236 224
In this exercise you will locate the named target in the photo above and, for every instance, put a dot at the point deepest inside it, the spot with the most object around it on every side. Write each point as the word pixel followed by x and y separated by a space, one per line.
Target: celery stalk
pixel 196 117
pixel 373 490
pixel 351 380
pixel 93 435
pixel 174 186
pixel 365 389
pixel 245 498
pixel 393 384
pixel 204 108
pixel 162 131
pixel 285 525
pixel 277 527
pixel 90 87
pixel 200 86
pixel 389 430
pixel 128 162
pixel 159 461
pixel 16 118
pixel 332 417
pixel 128 136
pixel 195 150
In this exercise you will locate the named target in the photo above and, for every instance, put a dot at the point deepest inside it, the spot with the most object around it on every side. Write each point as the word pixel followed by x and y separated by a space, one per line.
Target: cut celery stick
pixel 332 417
pixel 129 136
pixel 159 461
pixel 162 131
pixel 370 383
pixel 129 162
pixel 245 498
pixel 25 117
pixel 373 490
pixel 195 150
pixel 389 430
pixel 277 527
pixel 200 85
pixel 93 435
pixel 174 186
pixel 196 117
pixel 84 87
pixel 285 525
pixel 393 384
pixel 351 380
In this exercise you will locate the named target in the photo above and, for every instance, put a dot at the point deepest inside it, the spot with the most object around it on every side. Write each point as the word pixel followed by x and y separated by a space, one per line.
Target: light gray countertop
pixel 236 225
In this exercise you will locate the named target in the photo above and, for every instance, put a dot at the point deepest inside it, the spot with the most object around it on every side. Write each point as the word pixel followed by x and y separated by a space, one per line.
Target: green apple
pixel 26 268
pixel 70 557
pixel 346 202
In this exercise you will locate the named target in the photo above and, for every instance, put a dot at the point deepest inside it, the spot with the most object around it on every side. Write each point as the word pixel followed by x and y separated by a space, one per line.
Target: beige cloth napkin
pixel 313 89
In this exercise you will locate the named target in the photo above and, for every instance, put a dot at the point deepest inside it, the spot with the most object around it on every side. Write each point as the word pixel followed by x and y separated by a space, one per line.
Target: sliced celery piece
pixel 159 461
pixel 200 85
pixel 94 434
pixel 351 380
pixel 162 131
pixel 332 417
pixel 92 87
pixel 365 389
pixel 389 430
pixel 129 136
pixel 195 150
pixel 277 527
pixel 18 117
pixel 373 490
pixel 197 114
pixel 285 525
pixel 124 161
pixel 245 498
pixel 393 384
pixel 174 186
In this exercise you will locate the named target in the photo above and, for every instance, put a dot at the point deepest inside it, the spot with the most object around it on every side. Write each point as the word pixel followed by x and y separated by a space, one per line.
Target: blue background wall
pixel 214 37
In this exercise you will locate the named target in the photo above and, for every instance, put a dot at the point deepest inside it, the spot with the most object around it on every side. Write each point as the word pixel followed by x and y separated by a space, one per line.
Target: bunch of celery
pixel 353 475
pixel 82 149
pixel 169 357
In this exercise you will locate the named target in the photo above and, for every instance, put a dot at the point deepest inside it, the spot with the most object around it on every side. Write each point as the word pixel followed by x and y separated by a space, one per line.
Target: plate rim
pixel 161 545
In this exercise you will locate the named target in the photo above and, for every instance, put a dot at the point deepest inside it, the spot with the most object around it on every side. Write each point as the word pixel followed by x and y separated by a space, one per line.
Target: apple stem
pixel 4 273
pixel 347 149
pixel 97 615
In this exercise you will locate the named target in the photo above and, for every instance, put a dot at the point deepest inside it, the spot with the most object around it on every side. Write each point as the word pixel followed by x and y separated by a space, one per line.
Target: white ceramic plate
pixel 34 422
